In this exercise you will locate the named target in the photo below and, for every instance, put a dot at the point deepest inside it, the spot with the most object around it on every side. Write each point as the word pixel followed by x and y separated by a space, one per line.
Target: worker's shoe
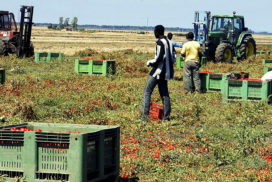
pixel 188 92
pixel 166 119
pixel 199 92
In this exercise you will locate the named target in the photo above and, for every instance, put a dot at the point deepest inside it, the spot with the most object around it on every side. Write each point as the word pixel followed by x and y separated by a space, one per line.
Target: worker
pixel 162 71
pixel 192 52
pixel 175 44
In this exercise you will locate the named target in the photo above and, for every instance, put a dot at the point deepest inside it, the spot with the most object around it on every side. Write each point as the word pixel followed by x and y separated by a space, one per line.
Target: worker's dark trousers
pixel 163 90
pixel 191 70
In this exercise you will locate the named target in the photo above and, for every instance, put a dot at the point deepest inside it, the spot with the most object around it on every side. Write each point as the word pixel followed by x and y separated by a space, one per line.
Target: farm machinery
pixel 12 40
pixel 223 37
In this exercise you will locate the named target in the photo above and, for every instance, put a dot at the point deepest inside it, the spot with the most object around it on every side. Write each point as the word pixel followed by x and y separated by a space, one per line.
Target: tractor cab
pixel 227 27
pixel 8 25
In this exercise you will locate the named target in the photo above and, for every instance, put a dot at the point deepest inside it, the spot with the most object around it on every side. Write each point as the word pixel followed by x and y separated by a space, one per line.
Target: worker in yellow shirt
pixel 192 52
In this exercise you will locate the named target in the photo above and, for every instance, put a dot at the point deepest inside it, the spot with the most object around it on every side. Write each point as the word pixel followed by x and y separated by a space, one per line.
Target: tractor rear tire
pixel 224 53
pixel 3 48
pixel 247 48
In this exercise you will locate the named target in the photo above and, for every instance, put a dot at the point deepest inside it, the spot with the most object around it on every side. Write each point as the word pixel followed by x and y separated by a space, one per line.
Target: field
pixel 206 140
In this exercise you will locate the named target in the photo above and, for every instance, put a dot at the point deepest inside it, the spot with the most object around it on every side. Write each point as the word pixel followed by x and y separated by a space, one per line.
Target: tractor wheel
pixel 12 48
pixel 247 48
pixel 2 48
pixel 224 53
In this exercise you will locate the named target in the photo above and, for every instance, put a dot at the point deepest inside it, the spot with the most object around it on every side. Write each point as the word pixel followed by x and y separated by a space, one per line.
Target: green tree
pixel 74 23
pixel 66 22
pixel 60 26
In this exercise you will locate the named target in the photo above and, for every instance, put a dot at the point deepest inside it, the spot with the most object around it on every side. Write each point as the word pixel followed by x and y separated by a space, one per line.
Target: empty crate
pixel 48 56
pixel 94 66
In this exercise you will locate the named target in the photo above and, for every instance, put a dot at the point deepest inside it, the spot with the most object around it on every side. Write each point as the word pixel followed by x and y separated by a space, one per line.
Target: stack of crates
pixel 2 75
pixel 92 66
pixel 59 152
pixel 246 90
pixel 48 56
pixel 156 111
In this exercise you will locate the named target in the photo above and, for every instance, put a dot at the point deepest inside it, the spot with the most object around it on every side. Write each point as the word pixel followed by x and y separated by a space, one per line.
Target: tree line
pixel 64 24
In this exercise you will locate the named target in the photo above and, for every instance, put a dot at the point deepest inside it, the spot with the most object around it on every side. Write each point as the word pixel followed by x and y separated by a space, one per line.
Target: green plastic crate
pixel 242 90
pixel 212 81
pixel 180 62
pixel 78 153
pixel 266 69
pixel 262 52
pixel 48 56
pixel 94 67
pixel 267 62
pixel 2 75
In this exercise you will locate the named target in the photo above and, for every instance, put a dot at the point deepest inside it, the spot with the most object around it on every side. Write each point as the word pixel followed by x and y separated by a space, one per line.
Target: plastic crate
pixel 262 52
pixel 180 62
pixel 212 81
pixel 266 69
pixel 94 66
pixel 78 153
pixel 2 75
pixel 267 62
pixel 246 90
pixel 48 56
pixel 156 111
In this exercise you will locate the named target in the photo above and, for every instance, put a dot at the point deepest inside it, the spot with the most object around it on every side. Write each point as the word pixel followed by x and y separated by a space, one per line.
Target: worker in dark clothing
pixel 174 43
pixel 192 52
pixel 162 71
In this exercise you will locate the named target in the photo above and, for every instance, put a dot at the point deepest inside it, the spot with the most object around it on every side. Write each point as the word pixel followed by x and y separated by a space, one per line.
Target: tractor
pixel 12 40
pixel 223 37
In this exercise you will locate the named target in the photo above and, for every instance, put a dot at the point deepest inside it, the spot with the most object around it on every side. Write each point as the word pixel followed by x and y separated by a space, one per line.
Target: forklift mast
pixel 25 49
pixel 202 26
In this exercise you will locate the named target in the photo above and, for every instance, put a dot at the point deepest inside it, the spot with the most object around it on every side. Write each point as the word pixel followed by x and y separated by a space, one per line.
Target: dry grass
pixel 107 41
pixel 71 42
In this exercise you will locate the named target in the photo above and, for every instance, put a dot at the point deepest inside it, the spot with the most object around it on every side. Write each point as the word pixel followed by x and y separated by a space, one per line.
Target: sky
pixel 170 13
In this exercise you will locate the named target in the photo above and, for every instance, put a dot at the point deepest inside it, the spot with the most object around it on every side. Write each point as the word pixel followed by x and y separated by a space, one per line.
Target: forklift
pixel 14 41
